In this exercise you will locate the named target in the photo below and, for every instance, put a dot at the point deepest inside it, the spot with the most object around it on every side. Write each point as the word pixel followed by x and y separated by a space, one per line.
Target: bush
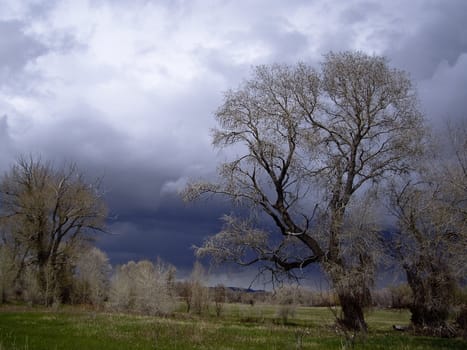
pixel 91 280
pixel 143 287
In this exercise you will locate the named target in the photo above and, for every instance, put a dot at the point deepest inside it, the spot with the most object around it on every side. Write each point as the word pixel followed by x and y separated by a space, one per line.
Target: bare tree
pixel 431 236
pixel 308 145
pixel 48 212
pixel 184 292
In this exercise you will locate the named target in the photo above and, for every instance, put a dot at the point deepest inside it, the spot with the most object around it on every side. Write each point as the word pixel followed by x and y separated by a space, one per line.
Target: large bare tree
pixel 47 213
pixel 309 145
pixel 430 239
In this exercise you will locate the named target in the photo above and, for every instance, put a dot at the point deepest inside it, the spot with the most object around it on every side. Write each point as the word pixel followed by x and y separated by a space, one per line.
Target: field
pixel 240 327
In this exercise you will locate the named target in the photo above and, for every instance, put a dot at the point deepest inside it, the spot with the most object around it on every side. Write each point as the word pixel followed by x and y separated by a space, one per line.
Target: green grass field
pixel 240 327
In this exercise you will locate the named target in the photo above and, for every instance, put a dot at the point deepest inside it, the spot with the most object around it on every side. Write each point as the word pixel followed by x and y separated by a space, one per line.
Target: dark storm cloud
pixel 444 94
pixel 439 34
pixel 434 53
pixel 147 217
pixel 83 137
pixel 131 184
pixel 168 232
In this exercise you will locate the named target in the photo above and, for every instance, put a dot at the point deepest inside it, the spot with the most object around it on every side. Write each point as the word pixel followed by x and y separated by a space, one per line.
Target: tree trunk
pixel 352 318
pixel 354 295
pixel 423 316
pixel 42 280
pixel 432 295
pixel 46 281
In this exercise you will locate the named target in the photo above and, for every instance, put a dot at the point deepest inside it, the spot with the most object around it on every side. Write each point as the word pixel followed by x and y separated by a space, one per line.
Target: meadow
pixel 239 327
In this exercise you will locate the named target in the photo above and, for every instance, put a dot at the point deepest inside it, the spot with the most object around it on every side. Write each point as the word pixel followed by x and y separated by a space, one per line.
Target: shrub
pixel 143 287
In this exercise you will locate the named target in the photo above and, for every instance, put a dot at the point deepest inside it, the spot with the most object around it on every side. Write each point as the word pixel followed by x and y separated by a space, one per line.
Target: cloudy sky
pixel 127 89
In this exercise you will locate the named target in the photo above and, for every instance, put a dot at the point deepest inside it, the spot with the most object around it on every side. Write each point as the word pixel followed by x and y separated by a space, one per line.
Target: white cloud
pixel 174 187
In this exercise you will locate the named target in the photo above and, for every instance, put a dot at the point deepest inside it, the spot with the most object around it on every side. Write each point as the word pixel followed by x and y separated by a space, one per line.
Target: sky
pixel 127 89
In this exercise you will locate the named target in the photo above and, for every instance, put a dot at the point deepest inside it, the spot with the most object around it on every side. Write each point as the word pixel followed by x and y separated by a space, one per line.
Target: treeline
pixel 48 219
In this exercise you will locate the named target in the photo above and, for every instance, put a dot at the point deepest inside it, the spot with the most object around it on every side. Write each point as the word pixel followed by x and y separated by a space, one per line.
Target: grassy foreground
pixel 241 327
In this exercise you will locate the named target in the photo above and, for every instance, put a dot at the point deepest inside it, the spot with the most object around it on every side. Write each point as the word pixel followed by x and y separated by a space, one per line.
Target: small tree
pixel 185 293
pixel 199 292
pixel 47 213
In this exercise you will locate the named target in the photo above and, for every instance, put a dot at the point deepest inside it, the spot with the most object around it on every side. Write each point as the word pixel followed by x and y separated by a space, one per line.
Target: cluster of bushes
pixel 141 287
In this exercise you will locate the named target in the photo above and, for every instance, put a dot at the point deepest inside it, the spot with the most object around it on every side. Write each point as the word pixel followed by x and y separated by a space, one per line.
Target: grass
pixel 240 327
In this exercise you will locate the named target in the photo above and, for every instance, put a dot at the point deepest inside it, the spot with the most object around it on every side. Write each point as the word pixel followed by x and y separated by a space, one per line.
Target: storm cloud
pixel 127 90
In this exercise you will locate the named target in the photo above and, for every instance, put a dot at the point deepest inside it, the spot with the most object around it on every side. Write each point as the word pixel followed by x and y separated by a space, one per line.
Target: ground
pixel 240 327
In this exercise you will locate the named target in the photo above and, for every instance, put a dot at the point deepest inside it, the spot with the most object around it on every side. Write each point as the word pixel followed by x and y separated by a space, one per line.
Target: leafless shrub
pixel 91 280
pixel 143 287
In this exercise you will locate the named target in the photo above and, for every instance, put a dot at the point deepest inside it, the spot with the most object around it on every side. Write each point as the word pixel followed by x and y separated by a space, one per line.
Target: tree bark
pixel 432 297
pixel 352 312
pixel 353 291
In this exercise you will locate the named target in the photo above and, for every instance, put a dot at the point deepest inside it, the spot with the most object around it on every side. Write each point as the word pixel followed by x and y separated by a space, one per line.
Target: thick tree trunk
pixel 352 318
pixel 423 316
pixel 432 296
pixel 349 282
pixel 42 277
pixel 45 280
pixel 354 295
